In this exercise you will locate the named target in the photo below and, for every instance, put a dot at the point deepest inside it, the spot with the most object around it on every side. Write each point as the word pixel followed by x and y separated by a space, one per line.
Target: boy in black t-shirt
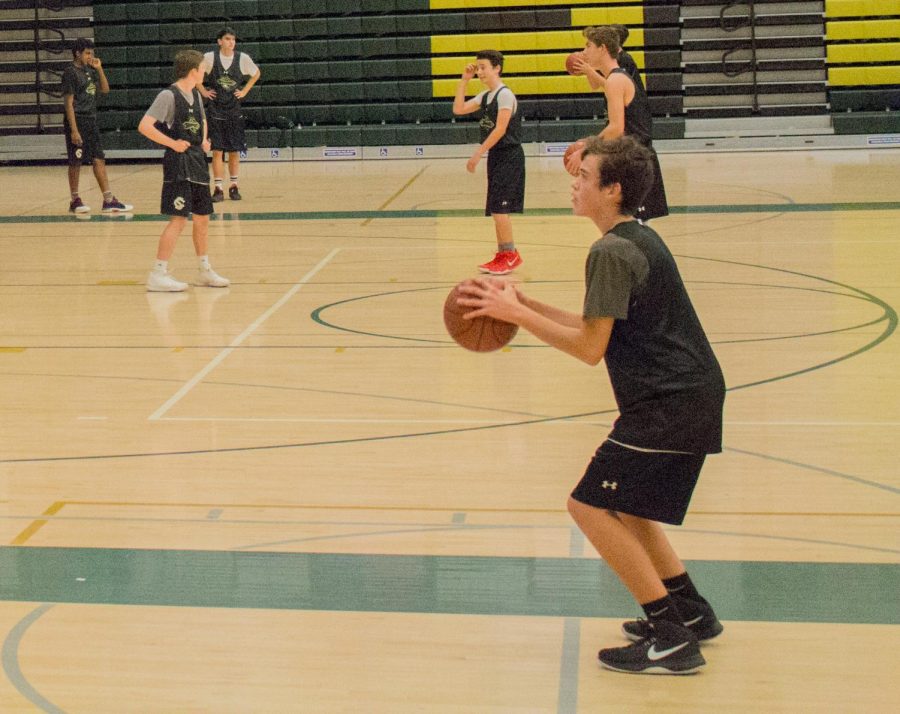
pixel 81 81
pixel 177 121
pixel 668 386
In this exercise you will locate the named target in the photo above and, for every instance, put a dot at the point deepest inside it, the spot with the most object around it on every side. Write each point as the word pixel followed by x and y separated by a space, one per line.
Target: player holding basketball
pixel 628 109
pixel 669 390
pixel 228 72
pixel 625 61
pixel 501 140
pixel 176 120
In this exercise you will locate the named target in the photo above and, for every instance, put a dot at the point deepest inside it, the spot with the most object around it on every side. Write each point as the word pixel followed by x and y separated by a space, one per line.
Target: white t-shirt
pixel 507 100
pixel 248 66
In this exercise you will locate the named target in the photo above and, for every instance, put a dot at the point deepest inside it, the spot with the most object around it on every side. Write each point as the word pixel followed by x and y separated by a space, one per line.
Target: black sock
pixel 681 586
pixel 662 609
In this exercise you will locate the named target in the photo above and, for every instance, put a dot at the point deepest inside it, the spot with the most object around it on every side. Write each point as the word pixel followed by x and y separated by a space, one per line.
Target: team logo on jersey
pixel 486 123
pixel 91 88
pixel 179 203
pixel 227 83
pixel 191 125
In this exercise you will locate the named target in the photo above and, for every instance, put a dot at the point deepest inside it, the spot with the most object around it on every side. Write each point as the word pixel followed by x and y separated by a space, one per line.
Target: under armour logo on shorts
pixel 610 485
pixel 179 203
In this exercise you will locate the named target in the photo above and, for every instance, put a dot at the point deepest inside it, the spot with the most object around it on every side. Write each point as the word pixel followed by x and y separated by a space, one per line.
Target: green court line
pixel 538 587
pixel 461 213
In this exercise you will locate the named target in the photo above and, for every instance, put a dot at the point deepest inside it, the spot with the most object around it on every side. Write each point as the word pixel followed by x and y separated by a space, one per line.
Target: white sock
pixel 204 262
pixel 161 266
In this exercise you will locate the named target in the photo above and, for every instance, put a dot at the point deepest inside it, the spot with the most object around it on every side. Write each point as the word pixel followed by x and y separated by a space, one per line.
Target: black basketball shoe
pixel 668 649
pixel 699 618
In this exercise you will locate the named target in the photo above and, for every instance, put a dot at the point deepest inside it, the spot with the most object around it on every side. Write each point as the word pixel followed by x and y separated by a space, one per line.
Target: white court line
pixel 193 381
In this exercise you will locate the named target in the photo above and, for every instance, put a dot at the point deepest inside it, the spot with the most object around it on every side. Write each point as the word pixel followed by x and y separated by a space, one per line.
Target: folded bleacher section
pixel 863 44
pixel 382 72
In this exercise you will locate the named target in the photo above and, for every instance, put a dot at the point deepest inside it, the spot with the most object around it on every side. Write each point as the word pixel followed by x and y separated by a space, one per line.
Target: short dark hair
pixel 492 56
pixel 622 32
pixel 185 62
pixel 82 44
pixel 226 31
pixel 627 162
pixel 604 36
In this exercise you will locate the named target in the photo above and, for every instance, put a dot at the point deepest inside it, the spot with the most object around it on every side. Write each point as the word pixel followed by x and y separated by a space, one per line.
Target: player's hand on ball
pixel 491 297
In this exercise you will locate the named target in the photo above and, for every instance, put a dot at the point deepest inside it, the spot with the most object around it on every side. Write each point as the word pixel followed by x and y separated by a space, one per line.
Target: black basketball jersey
pixel 489 112
pixel 638 119
pixel 226 82
pixel 188 125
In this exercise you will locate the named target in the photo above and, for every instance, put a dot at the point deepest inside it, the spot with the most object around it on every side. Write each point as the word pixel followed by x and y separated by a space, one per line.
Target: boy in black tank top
pixel 228 87
pixel 501 139
pixel 177 121
pixel 628 109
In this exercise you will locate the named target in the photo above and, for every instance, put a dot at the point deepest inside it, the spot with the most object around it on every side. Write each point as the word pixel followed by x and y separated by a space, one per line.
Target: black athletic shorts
pixel 182 198
pixel 506 181
pixel 226 133
pixel 655 203
pixel 653 485
pixel 91 148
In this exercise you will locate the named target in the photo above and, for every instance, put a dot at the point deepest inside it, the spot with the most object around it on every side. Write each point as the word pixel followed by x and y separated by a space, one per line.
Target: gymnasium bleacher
pixel 383 72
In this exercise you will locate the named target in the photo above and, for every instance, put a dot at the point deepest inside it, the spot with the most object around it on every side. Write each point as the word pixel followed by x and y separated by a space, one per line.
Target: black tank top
pixel 638 119
pixel 226 82
pixel 188 125
pixel 489 112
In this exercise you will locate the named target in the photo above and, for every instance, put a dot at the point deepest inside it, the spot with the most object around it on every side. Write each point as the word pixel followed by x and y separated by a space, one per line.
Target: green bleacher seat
pixel 417 134
pixel 209 10
pixel 205 31
pixel 414 24
pixel 282 29
pixel 419 68
pixel 275 51
pixel 338 26
pixel 343 136
pixel 347 91
pixel 241 11
pixel 309 8
pixel 385 25
pixel 344 113
pixel 379 135
pixel 382 112
pixel 282 72
pixel 311 71
pixel 414 89
pixel 276 8
pixel 310 27
pixel 112 55
pixel 381 47
pixel 117 98
pixel 143 55
pixel 447 23
pixel 339 49
pixel 276 93
pixel 345 7
pixel 247 31
pixel 171 11
pixel 116 34
pixel 142 33
pixel 176 32
pixel 309 136
pixel 376 91
pixel 350 70
pixel 415 112
pixel 312 114
pixel 145 76
pixel 140 11
pixel 310 50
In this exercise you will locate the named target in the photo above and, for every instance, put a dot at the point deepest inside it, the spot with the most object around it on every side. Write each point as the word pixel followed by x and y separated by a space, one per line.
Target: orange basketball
pixel 481 334
pixel 571 60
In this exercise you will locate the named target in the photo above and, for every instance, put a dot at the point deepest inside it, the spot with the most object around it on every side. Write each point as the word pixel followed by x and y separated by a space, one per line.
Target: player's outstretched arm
pixel 585 340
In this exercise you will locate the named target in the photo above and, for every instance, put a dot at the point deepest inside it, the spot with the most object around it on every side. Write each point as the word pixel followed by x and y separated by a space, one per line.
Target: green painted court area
pixel 555 587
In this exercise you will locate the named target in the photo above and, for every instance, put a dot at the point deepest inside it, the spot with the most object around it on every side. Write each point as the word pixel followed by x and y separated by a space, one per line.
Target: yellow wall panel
pixel 869 52
pixel 861 8
pixel 582 17
pixel 863 76
pixel 508 41
pixel 863 30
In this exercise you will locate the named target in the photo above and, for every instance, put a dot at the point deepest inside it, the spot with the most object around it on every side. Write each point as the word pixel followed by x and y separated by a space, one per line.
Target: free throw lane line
pixel 237 341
